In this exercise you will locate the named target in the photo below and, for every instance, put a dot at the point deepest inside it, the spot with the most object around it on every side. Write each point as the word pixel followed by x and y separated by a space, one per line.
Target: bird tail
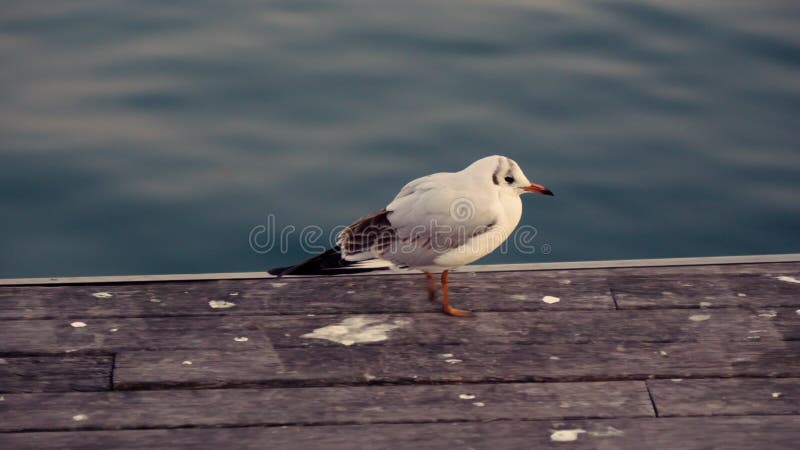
pixel 329 262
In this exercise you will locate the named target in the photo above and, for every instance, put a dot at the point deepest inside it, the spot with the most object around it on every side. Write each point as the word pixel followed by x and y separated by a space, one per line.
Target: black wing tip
pixel 329 272
pixel 280 271
pixel 329 262
pixel 311 266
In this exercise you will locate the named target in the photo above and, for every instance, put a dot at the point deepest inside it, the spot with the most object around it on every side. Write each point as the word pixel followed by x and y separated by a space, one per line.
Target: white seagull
pixel 435 224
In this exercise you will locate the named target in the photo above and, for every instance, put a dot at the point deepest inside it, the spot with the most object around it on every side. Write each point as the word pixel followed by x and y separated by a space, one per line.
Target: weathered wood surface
pixel 501 291
pixel 736 396
pixel 324 405
pixel 657 287
pixel 55 374
pixel 730 433
pixel 145 365
pixel 454 364
pixel 709 291
pixel 221 333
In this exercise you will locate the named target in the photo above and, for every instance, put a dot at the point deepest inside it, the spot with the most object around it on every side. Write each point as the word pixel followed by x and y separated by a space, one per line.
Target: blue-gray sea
pixel 142 137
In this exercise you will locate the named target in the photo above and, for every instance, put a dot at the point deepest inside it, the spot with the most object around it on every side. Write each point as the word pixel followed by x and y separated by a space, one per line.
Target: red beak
pixel 537 188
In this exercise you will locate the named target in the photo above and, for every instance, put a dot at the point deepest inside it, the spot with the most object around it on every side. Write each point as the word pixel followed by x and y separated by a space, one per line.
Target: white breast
pixel 481 245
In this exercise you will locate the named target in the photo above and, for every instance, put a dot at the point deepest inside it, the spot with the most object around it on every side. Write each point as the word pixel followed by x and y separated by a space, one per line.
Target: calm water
pixel 139 137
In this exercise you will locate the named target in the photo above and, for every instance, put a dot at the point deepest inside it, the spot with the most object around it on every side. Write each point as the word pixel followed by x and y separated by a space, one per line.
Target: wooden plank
pixel 23 337
pixel 776 268
pixel 571 265
pixel 657 263
pixel 502 291
pixel 732 433
pixel 55 374
pixel 496 291
pixel 320 366
pixel 327 405
pixel 738 396
pixel 243 333
pixel 784 322
pixel 493 291
pixel 710 291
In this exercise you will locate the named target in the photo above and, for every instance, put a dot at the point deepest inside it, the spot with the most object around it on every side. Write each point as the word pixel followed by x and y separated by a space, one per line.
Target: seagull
pixel 436 223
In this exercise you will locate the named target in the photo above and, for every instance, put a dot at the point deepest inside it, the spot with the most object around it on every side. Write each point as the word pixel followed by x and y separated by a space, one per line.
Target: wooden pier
pixel 685 354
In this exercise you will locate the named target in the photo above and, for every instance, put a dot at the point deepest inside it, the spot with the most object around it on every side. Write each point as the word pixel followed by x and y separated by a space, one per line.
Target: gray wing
pixel 441 217
pixel 426 213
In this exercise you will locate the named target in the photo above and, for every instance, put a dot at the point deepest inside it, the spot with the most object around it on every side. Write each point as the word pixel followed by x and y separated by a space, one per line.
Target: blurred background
pixel 141 137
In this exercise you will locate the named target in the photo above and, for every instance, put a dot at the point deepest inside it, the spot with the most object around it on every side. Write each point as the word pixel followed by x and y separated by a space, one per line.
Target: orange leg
pixel 432 287
pixel 446 296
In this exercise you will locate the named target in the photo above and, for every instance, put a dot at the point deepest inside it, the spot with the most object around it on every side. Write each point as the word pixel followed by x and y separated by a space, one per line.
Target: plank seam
pixel 111 372
pixel 453 343
pixel 102 352
pixel 356 424
pixel 299 384
pixel 432 312
pixel 612 293
pixel 320 424
pixel 178 387
pixel 652 399
pixel 748 414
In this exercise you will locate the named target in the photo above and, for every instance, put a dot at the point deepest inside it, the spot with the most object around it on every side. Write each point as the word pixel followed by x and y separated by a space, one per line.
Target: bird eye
pixel 509 180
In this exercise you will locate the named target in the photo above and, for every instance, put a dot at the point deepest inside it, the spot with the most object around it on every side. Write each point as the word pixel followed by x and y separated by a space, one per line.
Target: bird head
pixel 506 175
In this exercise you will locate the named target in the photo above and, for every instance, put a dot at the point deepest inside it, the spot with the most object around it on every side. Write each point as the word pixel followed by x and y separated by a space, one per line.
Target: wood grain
pixel 501 291
pixel 730 433
pixel 546 327
pixel 55 374
pixel 325 405
pixel 739 396
pixel 667 287
pixel 713 349
pixel 319 366
pixel 701 290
